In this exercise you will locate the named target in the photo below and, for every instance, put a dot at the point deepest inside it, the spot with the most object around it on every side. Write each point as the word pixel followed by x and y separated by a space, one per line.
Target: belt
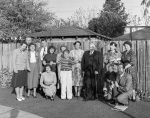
pixel 65 69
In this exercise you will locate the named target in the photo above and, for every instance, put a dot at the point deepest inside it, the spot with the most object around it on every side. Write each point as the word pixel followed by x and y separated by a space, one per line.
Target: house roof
pixel 67 32
pixel 143 34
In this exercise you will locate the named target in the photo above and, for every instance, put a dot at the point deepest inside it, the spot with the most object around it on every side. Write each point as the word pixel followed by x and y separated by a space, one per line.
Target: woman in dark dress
pixel 50 58
pixel 128 59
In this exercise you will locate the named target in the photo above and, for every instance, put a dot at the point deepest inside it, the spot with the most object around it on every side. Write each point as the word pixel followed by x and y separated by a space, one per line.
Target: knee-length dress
pixel 33 75
pixel 76 69
pixel 49 80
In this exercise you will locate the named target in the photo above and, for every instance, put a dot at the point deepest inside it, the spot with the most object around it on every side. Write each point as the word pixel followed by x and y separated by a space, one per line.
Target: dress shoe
pixel 22 98
pixel 52 98
pixel 46 97
pixel 34 96
pixel 86 99
pixel 19 99
pixel 111 102
pixel 80 98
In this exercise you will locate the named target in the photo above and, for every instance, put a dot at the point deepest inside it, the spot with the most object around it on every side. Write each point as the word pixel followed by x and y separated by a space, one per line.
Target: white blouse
pixel 32 58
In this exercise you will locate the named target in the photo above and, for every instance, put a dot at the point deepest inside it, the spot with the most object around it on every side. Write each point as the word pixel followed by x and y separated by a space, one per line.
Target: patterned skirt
pixel 77 76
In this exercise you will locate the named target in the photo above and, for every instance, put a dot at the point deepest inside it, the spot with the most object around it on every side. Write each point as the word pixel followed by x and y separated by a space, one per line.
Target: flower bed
pixel 5 78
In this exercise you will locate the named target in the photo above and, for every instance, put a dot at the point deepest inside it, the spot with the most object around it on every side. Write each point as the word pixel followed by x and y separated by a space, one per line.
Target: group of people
pixel 120 82
pixel 76 68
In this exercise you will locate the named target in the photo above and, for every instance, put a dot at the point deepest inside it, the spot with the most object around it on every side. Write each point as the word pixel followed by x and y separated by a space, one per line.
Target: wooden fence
pixel 6 54
pixel 141 48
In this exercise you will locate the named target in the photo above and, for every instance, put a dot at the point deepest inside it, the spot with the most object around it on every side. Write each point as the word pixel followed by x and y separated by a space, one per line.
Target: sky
pixel 66 8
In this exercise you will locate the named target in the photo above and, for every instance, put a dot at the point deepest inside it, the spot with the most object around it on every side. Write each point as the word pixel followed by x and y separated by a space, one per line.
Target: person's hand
pixel 96 72
pixel 44 62
pixel 51 63
pixel 83 73
pixel 46 87
pixel 16 71
pixel 59 79
pixel 112 84
pixel 127 66
pixel 116 83
pixel 29 69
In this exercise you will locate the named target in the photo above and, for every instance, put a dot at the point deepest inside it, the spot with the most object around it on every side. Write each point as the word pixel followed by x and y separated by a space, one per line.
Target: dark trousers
pixel 89 86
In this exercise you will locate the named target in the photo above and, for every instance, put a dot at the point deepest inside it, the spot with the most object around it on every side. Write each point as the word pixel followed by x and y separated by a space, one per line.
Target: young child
pixel 109 81
pixel 66 75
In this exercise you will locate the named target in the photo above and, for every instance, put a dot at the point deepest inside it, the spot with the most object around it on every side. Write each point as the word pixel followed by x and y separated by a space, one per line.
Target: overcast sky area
pixel 66 8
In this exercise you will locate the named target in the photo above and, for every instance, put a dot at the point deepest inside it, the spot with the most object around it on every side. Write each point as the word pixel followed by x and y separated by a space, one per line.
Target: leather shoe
pixel 86 99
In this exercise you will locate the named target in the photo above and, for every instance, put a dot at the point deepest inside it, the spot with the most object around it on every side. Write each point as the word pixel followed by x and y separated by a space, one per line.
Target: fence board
pixel 1 53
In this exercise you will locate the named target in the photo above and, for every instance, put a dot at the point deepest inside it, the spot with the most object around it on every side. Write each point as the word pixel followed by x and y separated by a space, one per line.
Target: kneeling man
pixel 123 88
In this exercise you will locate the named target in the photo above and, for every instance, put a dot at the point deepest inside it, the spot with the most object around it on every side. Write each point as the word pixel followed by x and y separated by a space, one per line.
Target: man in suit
pixel 91 69
pixel 123 88
pixel 42 52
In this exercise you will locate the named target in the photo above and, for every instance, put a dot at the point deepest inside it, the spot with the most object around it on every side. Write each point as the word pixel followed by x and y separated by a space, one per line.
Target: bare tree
pixel 146 3
pixel 82 16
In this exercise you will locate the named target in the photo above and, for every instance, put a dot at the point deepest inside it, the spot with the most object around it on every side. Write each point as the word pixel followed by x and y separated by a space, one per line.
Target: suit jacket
pixel 40 61
pixel 91 61
pixel 125 83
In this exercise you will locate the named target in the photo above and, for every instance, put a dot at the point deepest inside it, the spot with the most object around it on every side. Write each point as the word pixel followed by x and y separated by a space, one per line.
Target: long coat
pixel 89 61
pixel 90 64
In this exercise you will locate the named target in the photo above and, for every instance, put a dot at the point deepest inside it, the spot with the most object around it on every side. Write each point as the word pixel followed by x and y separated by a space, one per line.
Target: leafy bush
pixel 5 78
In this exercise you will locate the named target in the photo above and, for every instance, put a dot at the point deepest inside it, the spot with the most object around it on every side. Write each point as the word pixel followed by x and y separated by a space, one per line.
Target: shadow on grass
pixel 14 113
pixel 102 99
